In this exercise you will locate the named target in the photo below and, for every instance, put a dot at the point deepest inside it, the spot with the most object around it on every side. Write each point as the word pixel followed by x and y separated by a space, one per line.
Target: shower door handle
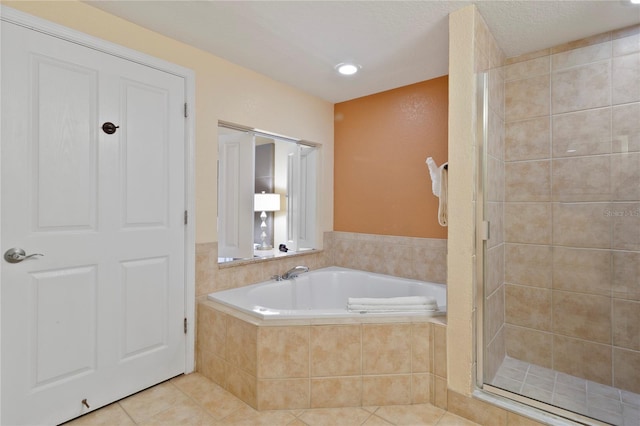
pixel 17 255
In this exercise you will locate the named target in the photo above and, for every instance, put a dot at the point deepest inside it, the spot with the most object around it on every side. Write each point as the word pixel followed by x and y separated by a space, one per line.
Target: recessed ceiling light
pixel 635 1
pixel 347 69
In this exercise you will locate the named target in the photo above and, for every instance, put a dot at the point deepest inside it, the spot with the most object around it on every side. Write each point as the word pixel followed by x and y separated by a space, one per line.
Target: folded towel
pixel 391 308
pixel 405 300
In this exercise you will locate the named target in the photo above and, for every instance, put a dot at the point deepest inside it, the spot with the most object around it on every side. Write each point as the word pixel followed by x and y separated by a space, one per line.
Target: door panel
pixel 64 101
pixel 100 315
pixel 60 322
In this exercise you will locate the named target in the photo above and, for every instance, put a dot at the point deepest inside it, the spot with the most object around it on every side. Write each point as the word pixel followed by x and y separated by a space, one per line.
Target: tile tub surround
pixel 318 364
pixel 423 259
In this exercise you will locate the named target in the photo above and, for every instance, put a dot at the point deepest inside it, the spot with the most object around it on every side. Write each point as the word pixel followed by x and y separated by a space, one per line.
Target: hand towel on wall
pixel 439 187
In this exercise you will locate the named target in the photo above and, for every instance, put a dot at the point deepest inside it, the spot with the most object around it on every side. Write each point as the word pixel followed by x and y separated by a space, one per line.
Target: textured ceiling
pixel 396 42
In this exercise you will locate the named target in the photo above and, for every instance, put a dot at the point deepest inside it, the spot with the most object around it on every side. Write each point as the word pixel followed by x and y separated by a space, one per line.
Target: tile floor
pixel 195 400
pixel 601 402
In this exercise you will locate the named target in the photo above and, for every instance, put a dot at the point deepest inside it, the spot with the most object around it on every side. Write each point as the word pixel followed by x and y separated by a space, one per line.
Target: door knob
pixel 17 255
pixel 109 128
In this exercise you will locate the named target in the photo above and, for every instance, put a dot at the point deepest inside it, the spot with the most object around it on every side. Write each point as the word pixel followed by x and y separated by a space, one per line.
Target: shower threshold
pixel 587 398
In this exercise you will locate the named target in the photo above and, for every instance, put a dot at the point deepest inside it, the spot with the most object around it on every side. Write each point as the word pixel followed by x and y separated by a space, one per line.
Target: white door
pixel 236 177
pixel 100 314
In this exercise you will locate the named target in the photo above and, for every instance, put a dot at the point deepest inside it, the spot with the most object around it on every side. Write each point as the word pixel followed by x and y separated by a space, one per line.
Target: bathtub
pixel 323 293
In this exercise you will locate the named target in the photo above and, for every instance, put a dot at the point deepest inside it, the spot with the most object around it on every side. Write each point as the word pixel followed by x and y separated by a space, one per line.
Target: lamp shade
pixel 266 202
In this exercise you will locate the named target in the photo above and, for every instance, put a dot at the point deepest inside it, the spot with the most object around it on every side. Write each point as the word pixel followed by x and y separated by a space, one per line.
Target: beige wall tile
pixel 212 330
pixel 581 225
pixel 212 367
pixel 241 347
pixel 336 350
pixel 529 345
pixel 495 179
pixel 421 388
pixel 421 348
pixel 336 392
pixel 626 324
pixel 582 133
pixel 495 216
pixel 527 56
pixel 582 179
pixel 242 385
pixel 495 137
pixel 206 265
pixel 429 264
pixel 386 390
pixel 528 139
pixel 626 226
pixel 495 352
pixel 517 420
pixel 527 98
pixel 591 361
pixel 528 181
pixel 440 391
pixel 582 270
pixel 626 127
pixel 527 264
pixel 528 307
pixel 584 316
pixel 626 79
pixel 283 394
pixel 581 56
pixel 584 87
pixel 626 275
pixel 386 348
pixel 439 350
pixel 476 410
pixel 625 176
pixel 494 313
pixel 525 69
pixel 495 264
pixel 283 352
pixel 627 373
pixel 527 223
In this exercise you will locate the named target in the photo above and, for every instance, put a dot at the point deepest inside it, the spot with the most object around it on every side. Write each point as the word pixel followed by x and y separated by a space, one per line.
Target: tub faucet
pixel 294 272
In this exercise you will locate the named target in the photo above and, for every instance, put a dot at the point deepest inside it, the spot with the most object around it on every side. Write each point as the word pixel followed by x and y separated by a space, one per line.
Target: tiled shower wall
pixel 572 208
pixel 489 58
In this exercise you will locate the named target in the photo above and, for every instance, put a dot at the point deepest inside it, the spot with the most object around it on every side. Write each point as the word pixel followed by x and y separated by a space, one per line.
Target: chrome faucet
pixel 294 272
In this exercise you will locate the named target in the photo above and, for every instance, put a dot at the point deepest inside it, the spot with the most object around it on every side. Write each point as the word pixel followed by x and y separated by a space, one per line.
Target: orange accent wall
pixel 381 181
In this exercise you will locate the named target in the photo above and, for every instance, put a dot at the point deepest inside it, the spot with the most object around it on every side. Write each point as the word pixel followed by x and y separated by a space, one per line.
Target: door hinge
pixel 185 326
pixel 186 217
pixel 186 110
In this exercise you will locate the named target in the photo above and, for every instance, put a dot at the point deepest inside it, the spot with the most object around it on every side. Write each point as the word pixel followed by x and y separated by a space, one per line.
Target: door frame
pixel 52 29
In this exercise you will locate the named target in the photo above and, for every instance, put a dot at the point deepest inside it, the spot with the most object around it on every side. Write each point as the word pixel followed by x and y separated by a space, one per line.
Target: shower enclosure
pixel 559 189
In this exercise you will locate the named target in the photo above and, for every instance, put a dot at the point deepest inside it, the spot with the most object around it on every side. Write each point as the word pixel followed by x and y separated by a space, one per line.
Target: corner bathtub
pixel 323 293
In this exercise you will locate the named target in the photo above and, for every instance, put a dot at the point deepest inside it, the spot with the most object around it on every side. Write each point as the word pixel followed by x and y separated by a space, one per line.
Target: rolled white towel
pixel 386 301
pixel 392 308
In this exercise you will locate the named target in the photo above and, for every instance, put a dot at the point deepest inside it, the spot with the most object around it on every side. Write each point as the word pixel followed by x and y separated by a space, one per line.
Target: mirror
pixel 267 194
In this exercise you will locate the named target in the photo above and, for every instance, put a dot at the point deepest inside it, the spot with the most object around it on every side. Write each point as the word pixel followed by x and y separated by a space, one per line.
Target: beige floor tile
pixel 335 416
pixel 111 415
pixel 422 414
pixel 452 420
pixel 146 404
pixel 297 422
pixel 250 417
pixel 187 413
